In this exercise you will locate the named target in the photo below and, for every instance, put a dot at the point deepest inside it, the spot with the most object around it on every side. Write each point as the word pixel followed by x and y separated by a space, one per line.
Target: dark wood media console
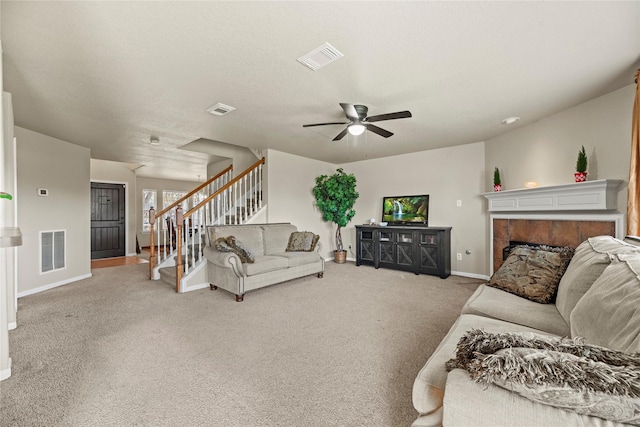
pixel 418 249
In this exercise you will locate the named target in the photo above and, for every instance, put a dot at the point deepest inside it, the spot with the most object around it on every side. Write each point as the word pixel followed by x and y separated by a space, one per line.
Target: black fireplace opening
pixel 514 243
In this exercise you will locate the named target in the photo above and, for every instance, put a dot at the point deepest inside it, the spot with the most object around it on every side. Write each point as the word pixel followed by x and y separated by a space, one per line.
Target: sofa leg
pixel 321 275
pixel 213 287
pixel 239 298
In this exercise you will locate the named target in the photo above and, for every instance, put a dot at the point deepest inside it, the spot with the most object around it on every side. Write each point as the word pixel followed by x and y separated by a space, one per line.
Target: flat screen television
pixel 409 210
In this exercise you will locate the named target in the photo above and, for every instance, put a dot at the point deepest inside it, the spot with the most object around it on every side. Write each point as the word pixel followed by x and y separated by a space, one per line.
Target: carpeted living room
pixel 119 349
pixel 320 213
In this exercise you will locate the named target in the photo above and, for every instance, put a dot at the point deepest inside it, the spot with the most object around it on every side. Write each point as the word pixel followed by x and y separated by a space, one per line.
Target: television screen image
pixel 406 210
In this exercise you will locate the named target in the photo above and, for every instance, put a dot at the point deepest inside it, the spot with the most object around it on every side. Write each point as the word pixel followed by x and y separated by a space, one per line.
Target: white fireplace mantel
pixel 599 195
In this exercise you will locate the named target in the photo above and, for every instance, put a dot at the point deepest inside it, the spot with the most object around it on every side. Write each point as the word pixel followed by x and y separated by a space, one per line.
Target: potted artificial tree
pixel 335 196
pixel 581 166
pixel 497 183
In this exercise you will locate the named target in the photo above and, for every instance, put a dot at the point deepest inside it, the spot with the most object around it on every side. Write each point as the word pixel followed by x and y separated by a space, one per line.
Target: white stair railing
pixel 234 201
pixel 162 232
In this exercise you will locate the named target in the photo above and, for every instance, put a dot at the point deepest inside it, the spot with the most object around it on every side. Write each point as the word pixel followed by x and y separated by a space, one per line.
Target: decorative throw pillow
pixel 231 244
pixel 560 372
pixel 302 241
pixel 222 245
pixel 533 272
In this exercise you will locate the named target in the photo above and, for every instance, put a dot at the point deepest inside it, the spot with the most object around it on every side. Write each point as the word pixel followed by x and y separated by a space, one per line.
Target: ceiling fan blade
pixel 340 135
pixel 324 124
pixel 379 131
pixel 350 110
pixel 389 116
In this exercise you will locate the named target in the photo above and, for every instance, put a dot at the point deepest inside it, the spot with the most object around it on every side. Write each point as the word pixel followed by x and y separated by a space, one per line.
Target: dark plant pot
pixel 580 176
pixel 497 187
pixel 340 257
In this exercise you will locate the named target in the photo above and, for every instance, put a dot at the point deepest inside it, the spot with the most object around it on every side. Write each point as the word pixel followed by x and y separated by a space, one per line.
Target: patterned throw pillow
pixel 231 244
pixel 555 371
pixel 533 272
pixel 302 241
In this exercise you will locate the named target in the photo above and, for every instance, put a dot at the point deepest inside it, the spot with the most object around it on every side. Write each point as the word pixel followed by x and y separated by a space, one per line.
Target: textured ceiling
pixel 108 75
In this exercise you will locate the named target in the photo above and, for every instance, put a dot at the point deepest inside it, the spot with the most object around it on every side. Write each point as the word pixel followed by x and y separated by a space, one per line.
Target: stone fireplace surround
pixel 563 215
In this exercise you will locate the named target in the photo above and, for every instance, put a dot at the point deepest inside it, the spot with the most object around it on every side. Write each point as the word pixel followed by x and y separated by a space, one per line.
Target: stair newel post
pixel 259 189
pixel 179 219
pixel 152 248
pixel 243 188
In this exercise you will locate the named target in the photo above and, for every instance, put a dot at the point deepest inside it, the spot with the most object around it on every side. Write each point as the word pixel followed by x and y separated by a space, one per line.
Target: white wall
pixel 289 180
pixel 447 175
pixel 63 169
pixel 546 151
pixel 119 173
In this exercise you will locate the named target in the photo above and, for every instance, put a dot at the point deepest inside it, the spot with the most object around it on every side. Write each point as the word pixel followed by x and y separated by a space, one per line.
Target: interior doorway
pixel 107 220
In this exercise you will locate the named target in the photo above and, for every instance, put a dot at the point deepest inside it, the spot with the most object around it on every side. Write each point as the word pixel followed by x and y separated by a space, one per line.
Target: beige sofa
pixel 272 263
pixel 598 299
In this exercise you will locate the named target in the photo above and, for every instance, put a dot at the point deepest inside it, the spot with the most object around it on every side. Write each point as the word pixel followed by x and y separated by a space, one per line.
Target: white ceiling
pixel 108 75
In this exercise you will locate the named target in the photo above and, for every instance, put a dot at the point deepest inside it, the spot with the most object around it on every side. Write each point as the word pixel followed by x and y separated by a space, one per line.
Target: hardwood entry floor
pixel 118 261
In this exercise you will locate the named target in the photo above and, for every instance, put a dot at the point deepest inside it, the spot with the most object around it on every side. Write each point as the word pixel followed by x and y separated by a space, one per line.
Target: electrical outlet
pixel 459 256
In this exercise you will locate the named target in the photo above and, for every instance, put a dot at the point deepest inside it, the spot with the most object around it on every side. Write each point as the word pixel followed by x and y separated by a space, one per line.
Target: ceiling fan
pixel 358 121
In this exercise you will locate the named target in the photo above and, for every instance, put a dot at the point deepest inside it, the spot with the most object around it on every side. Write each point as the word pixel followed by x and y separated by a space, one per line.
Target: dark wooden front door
pixel 107 220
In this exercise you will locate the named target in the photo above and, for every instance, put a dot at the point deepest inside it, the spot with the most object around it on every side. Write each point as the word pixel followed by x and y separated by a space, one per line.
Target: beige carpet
pixel 120 350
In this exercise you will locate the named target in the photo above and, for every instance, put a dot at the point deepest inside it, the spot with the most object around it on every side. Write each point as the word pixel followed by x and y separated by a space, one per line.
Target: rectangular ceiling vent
pixel 220 109
pixel 318 58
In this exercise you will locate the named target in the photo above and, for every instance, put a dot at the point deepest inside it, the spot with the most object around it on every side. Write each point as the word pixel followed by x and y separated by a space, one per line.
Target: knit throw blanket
pixel 561 372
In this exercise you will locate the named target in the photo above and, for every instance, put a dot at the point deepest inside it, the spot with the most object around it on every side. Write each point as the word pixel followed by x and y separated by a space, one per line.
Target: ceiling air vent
pixel 318 58
pixel 220 109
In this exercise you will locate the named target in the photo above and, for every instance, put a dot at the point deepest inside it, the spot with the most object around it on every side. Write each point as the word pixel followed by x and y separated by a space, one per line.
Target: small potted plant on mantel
pixel 497 183
pixel 581 166
pixel 335 196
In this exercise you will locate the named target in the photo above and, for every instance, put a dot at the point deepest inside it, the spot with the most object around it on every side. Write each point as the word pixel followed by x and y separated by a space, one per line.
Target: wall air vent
pixel 52 250
pixel 220 109
pixel 318 58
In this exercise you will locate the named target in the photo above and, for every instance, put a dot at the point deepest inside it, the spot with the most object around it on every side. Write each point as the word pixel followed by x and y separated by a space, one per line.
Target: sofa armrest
pixel 224 260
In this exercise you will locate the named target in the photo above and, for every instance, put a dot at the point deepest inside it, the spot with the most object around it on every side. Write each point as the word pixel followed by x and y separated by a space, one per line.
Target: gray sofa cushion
pixel 589 261
pixel 299 258
pixel 429 385
pixel 492 302
pixel 249 235
pixel 471 404
pixel 264 264
pixel 608 315
pixel 276 237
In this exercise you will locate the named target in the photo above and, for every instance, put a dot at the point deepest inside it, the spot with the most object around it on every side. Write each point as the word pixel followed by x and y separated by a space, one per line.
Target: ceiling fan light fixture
pixel 356 129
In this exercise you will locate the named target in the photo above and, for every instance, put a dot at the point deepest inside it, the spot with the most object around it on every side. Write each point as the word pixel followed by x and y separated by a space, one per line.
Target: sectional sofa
pixel 596 311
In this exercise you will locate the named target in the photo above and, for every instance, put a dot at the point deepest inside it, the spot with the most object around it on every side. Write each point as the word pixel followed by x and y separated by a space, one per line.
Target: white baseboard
pixel 5 373
pixel 471 275
pixel 195 287
pixel 53 285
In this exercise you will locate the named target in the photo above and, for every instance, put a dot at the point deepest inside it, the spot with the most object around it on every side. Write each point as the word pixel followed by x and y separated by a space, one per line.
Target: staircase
pixel 178 240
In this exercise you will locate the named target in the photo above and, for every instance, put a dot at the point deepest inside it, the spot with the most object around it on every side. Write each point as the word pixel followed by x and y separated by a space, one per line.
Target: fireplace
pixel 562 215
pixel 551 232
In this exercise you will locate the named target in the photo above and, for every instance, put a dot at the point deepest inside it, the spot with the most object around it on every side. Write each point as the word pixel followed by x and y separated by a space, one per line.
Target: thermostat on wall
pixel 44 192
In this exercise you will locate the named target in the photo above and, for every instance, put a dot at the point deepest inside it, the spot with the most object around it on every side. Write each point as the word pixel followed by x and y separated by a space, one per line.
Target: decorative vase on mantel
pixel 497 182
pixel 580 176
pixel 581 166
